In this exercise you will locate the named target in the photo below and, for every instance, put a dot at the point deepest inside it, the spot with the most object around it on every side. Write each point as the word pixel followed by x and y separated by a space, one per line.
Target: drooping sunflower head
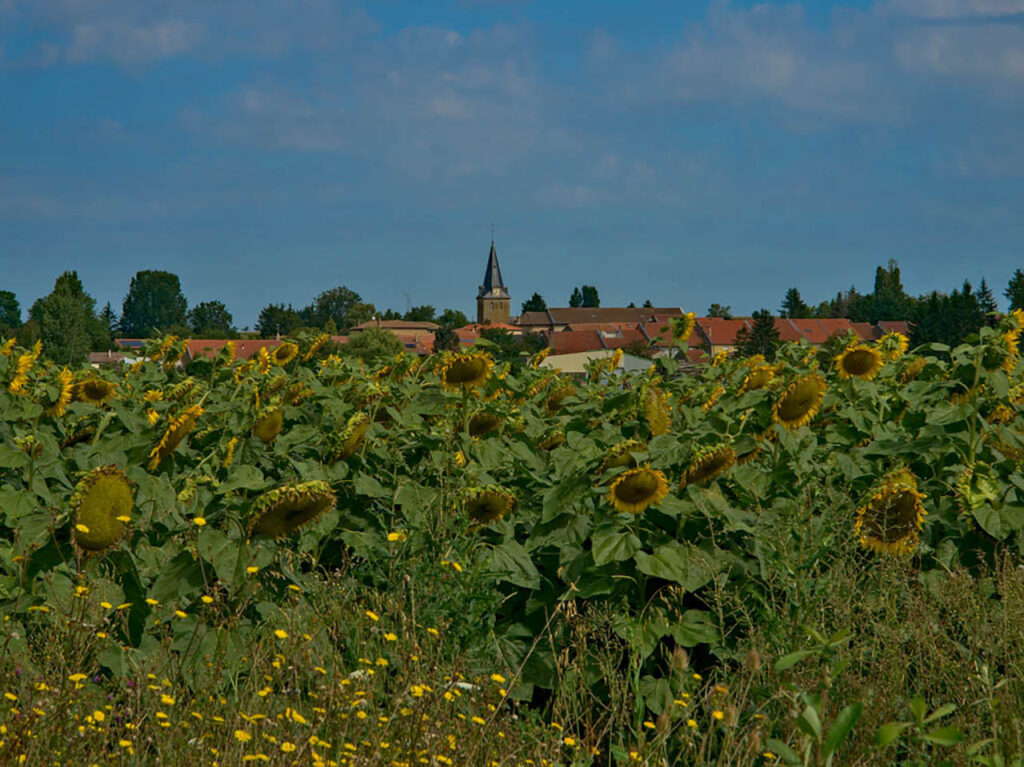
pixel 553 403
pixel 348 440
pixel 708 463
pixel 552 440
pixel 94 390
pixel 760 376
pixel 657 410
pixel 483 422
pixel 713 398
pixel 911 370
pixel 284 353
pixel 465 371
pixel 101 507
pixel 65 389
pixel 539 357
pixel 890 520
pixel 683 327
pixel 621 455
pixel 184 391
pixel 268 425
pixel 7 347
pixel 315 346
pixel 1001 413
pixel 636 489
pixel 163 348
pixel 1002 352
pixel 893 345
pixel 177 430
pixel 264 360
pixel 488 504
pixel 975 487
pixel 616 360
pixel 289 507
pixel 799 402
pixel 859 362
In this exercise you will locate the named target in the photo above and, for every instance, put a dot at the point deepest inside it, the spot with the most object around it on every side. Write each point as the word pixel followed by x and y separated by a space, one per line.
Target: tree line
pixel 69 324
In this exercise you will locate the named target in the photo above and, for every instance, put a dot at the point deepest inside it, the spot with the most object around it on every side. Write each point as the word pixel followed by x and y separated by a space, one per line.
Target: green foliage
pixel 277 320
pixel 1015 290
pixel 452 318
pixel 420 314
pixel 536 303
pixel 373 344
pixel 793 305
pixel 720 310
pixel 445 339
pixel 154 302
pixel 211 319
pixel 761 338
pixel 10 312
pixel 67 322
pixel 340 304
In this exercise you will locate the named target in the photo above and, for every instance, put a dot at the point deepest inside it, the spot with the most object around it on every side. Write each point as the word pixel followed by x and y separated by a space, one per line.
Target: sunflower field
pixel 301 559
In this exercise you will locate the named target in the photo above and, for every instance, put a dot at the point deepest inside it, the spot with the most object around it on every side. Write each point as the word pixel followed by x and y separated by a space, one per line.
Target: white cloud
pixel 951 9
pixel 986 51
pixel 129 43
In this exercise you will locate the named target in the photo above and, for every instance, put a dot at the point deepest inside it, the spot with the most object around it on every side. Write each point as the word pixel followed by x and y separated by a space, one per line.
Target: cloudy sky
pixel 265 150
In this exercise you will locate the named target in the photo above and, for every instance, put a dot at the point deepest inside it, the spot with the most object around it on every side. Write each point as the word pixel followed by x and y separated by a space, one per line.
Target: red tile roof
pixel 574 316
pixel 397 325
pixel 244 348
pixel 720 332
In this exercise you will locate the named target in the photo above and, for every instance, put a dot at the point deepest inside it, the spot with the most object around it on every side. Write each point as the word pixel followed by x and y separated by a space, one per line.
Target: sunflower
pixel 760 375
pixel 32 447
pixel 22 368
pixel 750 455
pixel 709 403
pixel 707 464
pixel 7 347
pixel 720 358
pixel 974 488
pixel 552 440
pixel 101 505
pixel 314 347
pixel 554 401
pixel 94 390
pixel 176 431
pixel 184 390
pixel 636 489
pixel 483 422
pixel 890 520
pixel 264 360
pixel 268 425
pixel 912 370
pixel 464 371
pixel 659 414
pixel 176 352
pixel 893 345
pixel 488 504
pixel 797 405
pixel 683 327
pixel 621 455
pixel 65 390
pixel 348 440
pixel 163 347
pixel 289 507
pixel 1001 414
pixel 616 360
pixel 284 353
pixel 229 352
pixel 539 357
pixel 297 392
pixel 859 362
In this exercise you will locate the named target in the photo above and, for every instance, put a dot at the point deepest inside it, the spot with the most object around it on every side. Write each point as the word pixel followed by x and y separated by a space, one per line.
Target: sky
pixel 682 152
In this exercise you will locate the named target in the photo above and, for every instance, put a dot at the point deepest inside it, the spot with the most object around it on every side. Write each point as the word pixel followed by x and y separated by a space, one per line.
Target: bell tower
pixel 492 300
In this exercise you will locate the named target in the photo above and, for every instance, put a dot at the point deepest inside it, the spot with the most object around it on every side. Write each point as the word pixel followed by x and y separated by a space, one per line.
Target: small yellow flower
pixel 498 678
pixel 433 631
pixel 479 720
pixel 569 741
pixel 124 743
pixel 181 613
pixel 719 715
pixel 372 615
pixel 166 700
pixel 82 528
pixel 252 569
pixel 152 602
pixel 242 736
pixel 281 633
pixel 391 637
pixel 287 747
pixel 98 715
pixel 199 521
pixel 206 599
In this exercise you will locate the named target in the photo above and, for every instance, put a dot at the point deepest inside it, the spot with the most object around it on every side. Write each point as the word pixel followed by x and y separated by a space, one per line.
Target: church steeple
pixel 492 300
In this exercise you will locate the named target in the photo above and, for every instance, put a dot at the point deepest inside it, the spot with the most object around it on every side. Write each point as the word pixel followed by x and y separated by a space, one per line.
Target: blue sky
pixel 688 153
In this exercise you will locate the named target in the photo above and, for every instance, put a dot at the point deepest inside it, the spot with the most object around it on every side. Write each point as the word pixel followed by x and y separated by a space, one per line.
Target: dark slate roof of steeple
pixel 494 286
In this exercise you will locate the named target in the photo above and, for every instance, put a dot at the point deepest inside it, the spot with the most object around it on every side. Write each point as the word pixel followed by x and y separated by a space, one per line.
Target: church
pixel 492 299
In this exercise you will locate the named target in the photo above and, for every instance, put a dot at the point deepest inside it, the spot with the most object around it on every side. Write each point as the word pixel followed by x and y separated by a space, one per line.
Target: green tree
pixel 889 301
pixel 277 319
pixel 535 303
pixel 373 344
pixel 420 314
pixel 109 321
pixel 341 304
pixel 987 303
pixel 793 305
pixel 68 326
pixel 154 302
pixel 718 310
pixel 445 339
pixel 452 318
pixel 211 319
pixel 390 314
pixel 1015 291
pixel 576 299
pixel 761 338
pixel 10 312
pixel 590 297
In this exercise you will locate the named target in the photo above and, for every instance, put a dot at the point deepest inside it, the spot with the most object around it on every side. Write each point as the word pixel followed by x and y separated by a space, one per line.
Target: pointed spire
pixel 493 285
